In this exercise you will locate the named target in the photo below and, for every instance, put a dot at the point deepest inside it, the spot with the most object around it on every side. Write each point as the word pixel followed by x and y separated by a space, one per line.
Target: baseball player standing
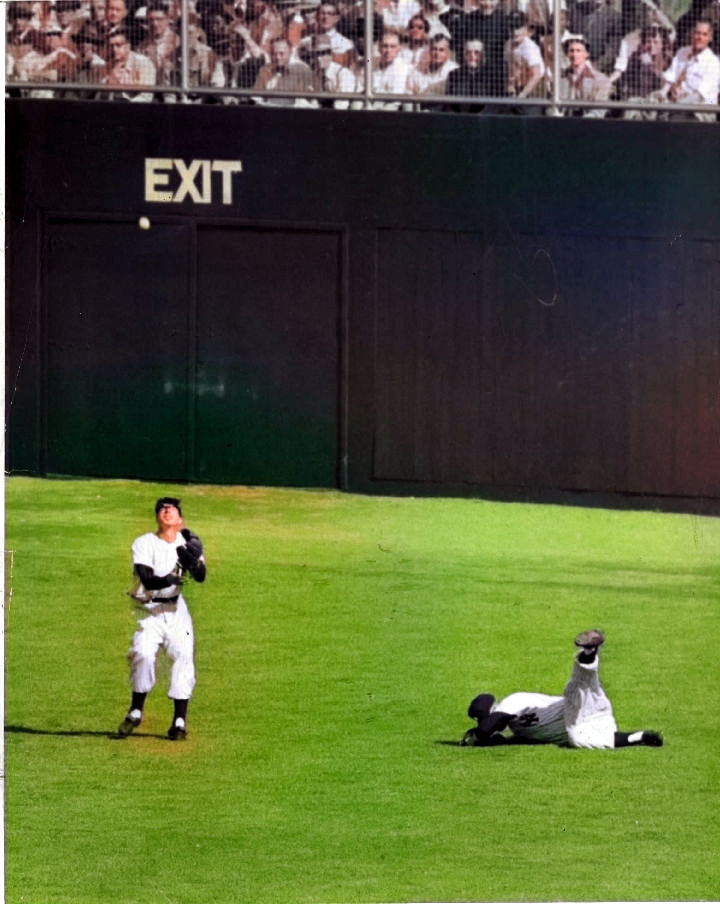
pixel 161 560
pixel 581 717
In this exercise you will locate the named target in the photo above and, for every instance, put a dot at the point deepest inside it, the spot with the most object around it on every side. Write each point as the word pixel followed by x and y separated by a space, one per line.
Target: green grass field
pixel 340 639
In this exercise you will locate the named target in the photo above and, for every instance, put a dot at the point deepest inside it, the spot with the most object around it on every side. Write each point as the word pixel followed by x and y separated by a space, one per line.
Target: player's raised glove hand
pixel 186 558
pixel 192 542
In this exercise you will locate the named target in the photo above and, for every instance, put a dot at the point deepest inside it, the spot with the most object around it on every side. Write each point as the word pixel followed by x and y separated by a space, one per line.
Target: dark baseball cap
pixel 167 500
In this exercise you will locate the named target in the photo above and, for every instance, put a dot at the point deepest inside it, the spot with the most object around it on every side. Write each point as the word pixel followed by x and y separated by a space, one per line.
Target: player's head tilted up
pixel 168 502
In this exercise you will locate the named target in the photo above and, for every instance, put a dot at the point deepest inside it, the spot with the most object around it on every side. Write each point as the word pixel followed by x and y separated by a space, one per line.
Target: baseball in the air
pixel 144 223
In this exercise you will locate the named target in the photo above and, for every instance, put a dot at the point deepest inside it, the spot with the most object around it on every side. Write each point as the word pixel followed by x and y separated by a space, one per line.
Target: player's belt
pixel 167 604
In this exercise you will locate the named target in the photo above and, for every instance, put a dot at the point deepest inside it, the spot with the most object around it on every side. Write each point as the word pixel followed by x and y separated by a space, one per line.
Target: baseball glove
pixel 190 555
pixel 186 559
pixel 193 543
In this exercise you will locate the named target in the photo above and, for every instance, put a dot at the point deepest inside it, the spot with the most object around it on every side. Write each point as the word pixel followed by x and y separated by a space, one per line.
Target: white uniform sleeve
pixel 142 551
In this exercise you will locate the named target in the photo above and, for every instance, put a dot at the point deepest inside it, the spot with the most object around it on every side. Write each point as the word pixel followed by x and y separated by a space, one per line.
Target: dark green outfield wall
pixel 376 301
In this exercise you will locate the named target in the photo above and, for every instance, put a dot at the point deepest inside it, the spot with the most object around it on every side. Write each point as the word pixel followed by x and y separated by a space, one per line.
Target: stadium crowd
pixel 501 51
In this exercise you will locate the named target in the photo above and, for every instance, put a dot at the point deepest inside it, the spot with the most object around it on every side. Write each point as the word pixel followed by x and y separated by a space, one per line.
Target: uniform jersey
pixel 161 556
pixel 535 717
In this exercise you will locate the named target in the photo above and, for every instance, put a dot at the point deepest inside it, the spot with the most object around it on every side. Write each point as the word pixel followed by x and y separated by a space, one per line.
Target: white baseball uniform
pixel 535 717
pixel 589 718
pixel 167 625
pixel 581 717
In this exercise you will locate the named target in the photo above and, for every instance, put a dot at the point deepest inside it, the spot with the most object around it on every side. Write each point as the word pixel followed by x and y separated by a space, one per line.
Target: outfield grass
pixel 339 641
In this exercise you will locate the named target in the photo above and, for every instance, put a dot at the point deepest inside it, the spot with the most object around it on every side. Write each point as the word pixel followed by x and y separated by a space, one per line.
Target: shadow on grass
pixel 68 733
pixel 500 742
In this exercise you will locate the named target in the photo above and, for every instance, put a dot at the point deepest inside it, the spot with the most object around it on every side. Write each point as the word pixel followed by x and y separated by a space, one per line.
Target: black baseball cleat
pixel 590 640
pixel 128 725
pixel 177 731
pixel 652 739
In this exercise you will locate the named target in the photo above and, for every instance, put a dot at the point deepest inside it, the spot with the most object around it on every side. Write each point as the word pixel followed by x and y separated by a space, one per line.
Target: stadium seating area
pixel 593 58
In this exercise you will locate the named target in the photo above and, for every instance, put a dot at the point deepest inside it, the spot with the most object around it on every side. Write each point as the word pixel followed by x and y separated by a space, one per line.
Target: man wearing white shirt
pixel 327 19
pixel 431 78
pixel 161 44
pixel 397 13
pixel 694 74
pixel 128 69
pixel 525 64
pixel 390 75
pixel 332 77
pixel 416 47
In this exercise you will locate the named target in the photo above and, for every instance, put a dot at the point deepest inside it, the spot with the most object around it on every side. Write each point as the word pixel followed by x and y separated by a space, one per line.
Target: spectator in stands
pixel 161 43
pixel 546 43
pixel 540 16
pixel 352 24
pixel 397 13
pixel 433 12
pixel 525 66
pixel 581 80
pixel 215 21
pixel 693 76
pixel 470 79
pixel 330 76
pixel 245 58
pixel 491 25
pixel 416 48
pixel 205 70
pixel 327 20
pixel 699 10
pixel 300 23
pixel 116 18
pixel 357 65
pixel 71 17
pixel 21 39
pixel 390 75
pixel 69 20
pixel 649 15
pixel 105 22
pixel 94 27
pixel 452 16
pixel 265 24
pixel 644 71
pixel 53 59
pixel 92 67
pixel 431 76
pixel 283 75
pixel 601 24
pixel 128 69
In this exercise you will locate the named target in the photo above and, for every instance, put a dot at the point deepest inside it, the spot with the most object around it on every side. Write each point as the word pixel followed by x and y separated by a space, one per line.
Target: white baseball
pixel 144 223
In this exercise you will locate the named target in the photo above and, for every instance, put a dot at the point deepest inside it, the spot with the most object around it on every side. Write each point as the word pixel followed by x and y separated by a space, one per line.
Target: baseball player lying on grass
pixel 581 717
